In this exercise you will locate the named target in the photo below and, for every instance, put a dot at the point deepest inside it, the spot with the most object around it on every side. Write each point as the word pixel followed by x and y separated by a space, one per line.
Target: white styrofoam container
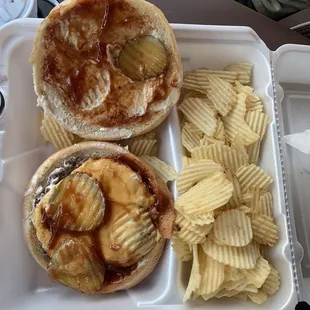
pixel 13 9
pixel 24 285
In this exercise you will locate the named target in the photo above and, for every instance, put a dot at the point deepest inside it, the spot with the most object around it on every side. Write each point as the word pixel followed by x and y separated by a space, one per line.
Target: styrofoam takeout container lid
pixel 13 9
pixel 23 283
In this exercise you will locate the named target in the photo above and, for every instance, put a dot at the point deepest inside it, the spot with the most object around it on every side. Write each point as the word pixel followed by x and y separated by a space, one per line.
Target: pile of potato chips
pixel 224 210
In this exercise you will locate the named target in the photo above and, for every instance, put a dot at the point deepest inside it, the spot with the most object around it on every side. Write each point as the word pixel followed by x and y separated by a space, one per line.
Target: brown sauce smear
pixel 66 62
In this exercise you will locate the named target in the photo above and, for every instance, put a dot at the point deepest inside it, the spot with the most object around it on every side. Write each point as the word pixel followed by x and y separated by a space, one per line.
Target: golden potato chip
pixel 220 131
pixel 196 172
pixel 191 233
pixel 232 274
pixel 212 274
pixel 258 298
pixel 256 193
pixel 79 196
pixel 162 169
pixel 55 134
pixel 235 200
pixel 237 257
pixel 258 122
pixel 208 296
pixel 181 249
pixel 244 70
pixel 242 296
pixel 197 111
pixel 141 147
pixel 226 293
pixel 265 205
pixel 233 228
pixel 222 95
pixel 194 129
pixel 238 145
pixel 258 274
pixel 186 161
pixel 250 288
pixel 265 231
pixel 250 176
pixel 194 94
pixel 221 154
pixel 272 283
pixel 209 194
pixel 252 101
pixel 237 285
pixel 197 80
pixel 199 219
pixel 190 139
pixel 205 140
pixel 234 123
pixel 194 279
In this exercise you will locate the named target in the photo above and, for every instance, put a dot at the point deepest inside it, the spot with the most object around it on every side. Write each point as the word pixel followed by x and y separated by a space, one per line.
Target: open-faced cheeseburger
pixel 106 69
pixel 96 217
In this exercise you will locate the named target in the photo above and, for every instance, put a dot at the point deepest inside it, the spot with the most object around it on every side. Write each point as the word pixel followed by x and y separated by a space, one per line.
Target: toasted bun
pixel 81 152
pixel 78 81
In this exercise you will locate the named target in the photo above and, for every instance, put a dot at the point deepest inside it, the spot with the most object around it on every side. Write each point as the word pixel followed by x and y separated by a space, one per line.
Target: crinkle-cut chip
pixel 258 122
pixel 141 147
pixel 253 152
pixel 244 70
pixel 190 139
pixel 235 200
pixel 223 209
pixel 250 288
pixel 233 228
pixel 251 176
pixel 241 257
pixel 197 80
pixel 195 94
pixel 194 129
pixel 221 154
pixel 272 283
pixel 212 274
pixel 259 298
pixel 244 209
pixel 238 145
pixel 232 274
pixel 242 296
pixel 75 265
pixel 205 140
pixel 254 105
pixel 237 285
pixel 214 239
pixel 256 193
pixel 186 161
pixel 265 205
pixel 199 219
pixel 234 123
pixel 208 195
pixel 208 296
pixel 198 112
pixel 162 169
pixel 55 134
pixel 196 172
pixel 79 196
pixel 222 95
pixel 226 293
pixel 259 273
pixel 181 249
pixel 249 91
pixel 194 279
pixel 220 131
pixel 191 233
pixel 265 231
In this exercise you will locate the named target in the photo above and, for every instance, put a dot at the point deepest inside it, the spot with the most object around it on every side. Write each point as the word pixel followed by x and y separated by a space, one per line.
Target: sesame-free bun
pixel 79 153
pixel 76 74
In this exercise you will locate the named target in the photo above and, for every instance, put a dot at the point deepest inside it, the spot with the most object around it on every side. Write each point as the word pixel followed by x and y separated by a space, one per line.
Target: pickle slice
pixel 74 264
pixel 143 58
pixel 76 203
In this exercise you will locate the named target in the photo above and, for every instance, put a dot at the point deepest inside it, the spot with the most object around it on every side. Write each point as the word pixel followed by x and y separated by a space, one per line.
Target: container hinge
pixel 287 208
